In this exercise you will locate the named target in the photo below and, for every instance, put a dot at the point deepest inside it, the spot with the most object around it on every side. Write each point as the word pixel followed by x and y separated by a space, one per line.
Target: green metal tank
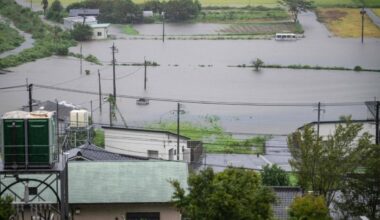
pixel 29 139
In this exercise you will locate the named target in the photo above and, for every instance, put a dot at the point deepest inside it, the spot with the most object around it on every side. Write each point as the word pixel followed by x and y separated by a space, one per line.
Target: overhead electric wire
pixel 205 102
pixel 13 87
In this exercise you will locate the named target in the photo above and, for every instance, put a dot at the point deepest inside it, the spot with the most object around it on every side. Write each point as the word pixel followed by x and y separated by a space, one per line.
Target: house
pixel 83 12
pixel 91 152
pixel 327 128
pixel 100 31
pixel 104 190
pixel 147 14
pixel 146 143
pixel 70 22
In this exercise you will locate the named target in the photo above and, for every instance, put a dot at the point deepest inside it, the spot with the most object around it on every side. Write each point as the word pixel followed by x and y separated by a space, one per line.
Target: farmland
pixel 261 28
pixel 345 22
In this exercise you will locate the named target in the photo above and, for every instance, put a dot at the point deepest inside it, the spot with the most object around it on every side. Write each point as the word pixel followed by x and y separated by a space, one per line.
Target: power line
pixel 12 87
pixel 206 102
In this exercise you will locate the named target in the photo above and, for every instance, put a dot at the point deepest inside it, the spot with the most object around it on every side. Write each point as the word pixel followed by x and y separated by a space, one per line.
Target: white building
pixel 146 143
pixel 100 31
pixel 70 22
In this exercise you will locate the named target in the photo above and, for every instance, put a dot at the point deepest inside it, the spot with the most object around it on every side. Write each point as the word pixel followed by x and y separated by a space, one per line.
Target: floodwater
pixel 198 70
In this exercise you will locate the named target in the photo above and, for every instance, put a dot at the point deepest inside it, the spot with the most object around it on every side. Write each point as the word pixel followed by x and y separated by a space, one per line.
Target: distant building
pixel 100 31
pixel 83 12
pixel 146 143
pixel 285 196
pixel 70 22
pixel 148 14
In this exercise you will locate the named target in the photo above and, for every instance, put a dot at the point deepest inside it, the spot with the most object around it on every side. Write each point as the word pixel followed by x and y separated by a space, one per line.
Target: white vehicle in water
pixel 285 36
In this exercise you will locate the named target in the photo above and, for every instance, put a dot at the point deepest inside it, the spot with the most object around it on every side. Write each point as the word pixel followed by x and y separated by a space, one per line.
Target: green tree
pixel 321 164
pixel 231 194
pixel 361 190
pixel 309 207
pixel 181 10
pixel 274 176
pixel 257 64
pixel 55 12
pixel 45 4
pixel 82 32
pixel 6 209
pixel 297 6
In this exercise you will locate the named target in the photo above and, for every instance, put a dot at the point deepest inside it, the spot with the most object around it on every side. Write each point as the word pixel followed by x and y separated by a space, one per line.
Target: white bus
pixel 285 36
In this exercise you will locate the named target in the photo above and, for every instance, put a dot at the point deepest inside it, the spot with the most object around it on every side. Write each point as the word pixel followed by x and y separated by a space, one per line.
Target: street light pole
pixel 362 12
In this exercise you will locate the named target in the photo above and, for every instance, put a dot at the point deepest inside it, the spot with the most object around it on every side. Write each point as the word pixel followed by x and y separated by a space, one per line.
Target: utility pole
pixel 178 111
pixel 91 111
pixel 30 88
pixel 100 93
pixel 113 70
pixel 110 101
pixel 81 59
pixel 319 109
pixel 362 12
pixel 163 26
pixel 145 66
pixel 377 122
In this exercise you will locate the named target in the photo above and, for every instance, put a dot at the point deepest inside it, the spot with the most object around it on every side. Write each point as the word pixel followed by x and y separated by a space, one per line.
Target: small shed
pixel 147 14
pixel 100 31
pixel 70 22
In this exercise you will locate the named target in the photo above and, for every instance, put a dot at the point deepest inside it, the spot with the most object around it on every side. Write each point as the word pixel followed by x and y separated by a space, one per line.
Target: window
pixel 153 154
pixel 143 216
pixel 99 34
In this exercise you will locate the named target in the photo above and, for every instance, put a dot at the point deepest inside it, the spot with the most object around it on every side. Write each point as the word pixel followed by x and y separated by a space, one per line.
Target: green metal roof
pixel 124 182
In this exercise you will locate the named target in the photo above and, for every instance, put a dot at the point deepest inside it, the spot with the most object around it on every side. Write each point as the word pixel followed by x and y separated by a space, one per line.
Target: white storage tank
pixel 79 118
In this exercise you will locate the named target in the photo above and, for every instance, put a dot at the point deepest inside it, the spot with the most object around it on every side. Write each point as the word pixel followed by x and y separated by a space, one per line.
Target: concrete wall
pixel 139 142
pixel 113 211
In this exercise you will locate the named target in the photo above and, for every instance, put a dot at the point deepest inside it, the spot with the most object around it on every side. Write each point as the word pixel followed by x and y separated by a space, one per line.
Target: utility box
pixel 28 139
pixel 79 118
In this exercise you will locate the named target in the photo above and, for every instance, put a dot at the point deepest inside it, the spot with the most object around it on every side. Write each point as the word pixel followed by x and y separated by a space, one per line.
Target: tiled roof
pixel 63 110
pixel 94 153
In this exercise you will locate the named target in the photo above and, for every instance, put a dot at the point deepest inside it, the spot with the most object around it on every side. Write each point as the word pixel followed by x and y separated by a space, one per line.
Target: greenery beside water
pixel 9 38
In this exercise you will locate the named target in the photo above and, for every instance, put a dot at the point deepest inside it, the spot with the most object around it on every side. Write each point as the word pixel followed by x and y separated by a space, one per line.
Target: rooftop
pixel 145 130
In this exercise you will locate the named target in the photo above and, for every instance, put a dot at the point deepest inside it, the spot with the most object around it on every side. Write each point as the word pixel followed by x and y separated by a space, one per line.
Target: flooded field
pixel 198 71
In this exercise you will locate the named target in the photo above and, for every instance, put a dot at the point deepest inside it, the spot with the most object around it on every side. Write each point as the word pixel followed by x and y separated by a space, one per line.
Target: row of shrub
pixel 48 40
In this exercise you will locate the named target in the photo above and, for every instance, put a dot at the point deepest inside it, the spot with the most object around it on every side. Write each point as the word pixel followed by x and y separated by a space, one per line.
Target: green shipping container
pixel 14 142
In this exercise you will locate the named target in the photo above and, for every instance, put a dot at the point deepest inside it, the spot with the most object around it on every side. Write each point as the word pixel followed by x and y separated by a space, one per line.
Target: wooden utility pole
pixel 178 111
pixel 163 26
pixel 377 122
pixel 113 70
pixel 81 59
pixel 362 12
pixel 145 66
pixel 100 93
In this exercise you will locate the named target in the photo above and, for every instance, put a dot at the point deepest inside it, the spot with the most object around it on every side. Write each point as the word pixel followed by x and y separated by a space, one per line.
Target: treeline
pixel 125 11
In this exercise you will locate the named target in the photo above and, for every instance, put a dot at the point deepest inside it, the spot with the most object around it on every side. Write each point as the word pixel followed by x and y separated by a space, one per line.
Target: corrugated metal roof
pixel 146 131
pixel 124 182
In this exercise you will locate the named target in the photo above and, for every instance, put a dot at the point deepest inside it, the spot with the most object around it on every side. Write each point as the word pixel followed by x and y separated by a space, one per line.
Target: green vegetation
pixel 9 38
pixel 56 12
pixel 309 207
pixel 260 28
pixel 129 30
pixel 48 40
pixel 99 138
pixel 232 194
pixel 215 139
pixel 308 67
pixel 82 32
pixel 274 176
pixel 320 163
pixel 6 208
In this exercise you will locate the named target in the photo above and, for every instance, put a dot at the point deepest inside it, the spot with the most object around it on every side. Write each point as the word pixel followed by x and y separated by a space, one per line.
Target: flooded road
pixel 198 70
